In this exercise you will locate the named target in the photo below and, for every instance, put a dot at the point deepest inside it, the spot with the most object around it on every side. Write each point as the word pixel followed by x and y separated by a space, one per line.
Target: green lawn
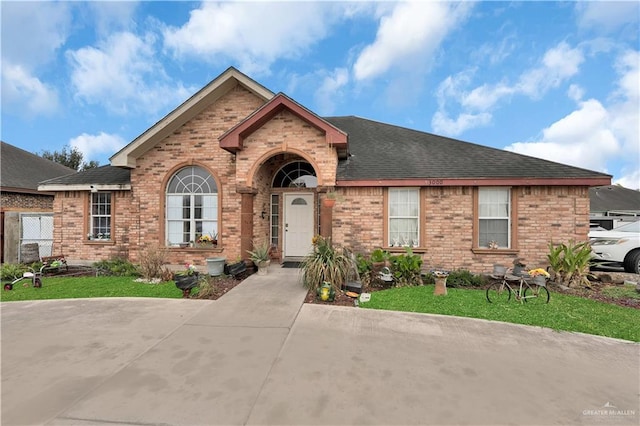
pixel 563 312
pixel 80 287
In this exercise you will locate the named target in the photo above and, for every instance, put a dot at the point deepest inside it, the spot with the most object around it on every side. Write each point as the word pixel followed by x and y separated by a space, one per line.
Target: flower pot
pixel 540 280
pixel 215 266
pixel 186 283
pixel 441 286
pixel 329 202
pixel 263 267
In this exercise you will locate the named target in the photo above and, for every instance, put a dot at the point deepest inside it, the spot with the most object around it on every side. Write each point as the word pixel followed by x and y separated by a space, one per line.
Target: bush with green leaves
pixel 117 267
pixel 465 279
pixel 406 268
pixel 570 263
pixel 11 271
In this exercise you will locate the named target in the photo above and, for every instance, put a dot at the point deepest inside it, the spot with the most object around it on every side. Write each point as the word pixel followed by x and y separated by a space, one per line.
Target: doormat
pixel 291 264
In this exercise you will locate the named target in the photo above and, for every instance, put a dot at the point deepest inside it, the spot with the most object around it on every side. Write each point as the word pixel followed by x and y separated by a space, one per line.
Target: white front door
pixel 298 224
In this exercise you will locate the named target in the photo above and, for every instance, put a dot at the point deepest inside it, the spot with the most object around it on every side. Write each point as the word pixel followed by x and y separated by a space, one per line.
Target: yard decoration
pixel 260 256
pixel 441 282
pixel 187 279
pixel 326 292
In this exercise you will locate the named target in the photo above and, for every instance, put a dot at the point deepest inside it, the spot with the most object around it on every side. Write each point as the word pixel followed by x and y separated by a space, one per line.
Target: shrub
pixel 570 263
pixel 326 263
pixel 152 261
pixel 206 288
pixel 117 266
pixel 464 278
pixel 406 268
pixel 11 271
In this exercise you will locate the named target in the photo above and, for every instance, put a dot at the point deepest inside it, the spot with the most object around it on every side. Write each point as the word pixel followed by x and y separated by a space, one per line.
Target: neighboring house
pixel 242 164
pixel 613 205
pixel 26 215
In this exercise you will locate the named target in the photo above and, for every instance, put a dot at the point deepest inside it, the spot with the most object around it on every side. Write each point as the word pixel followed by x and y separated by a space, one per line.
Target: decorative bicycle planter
pixel 186 282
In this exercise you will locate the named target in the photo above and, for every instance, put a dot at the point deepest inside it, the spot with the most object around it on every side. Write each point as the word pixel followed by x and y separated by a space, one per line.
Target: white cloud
pixel 113 16
pixel 575 92
pixel 441 123
pixel 409 36
pixel 253 34
pixel 123 74
pixel 93 146
pixel 582 138
pixel 607 15
pixel 31 34
pixel 629 180
pixel 556 66
pixel 25 93
pixel 330 91
pixel 33 31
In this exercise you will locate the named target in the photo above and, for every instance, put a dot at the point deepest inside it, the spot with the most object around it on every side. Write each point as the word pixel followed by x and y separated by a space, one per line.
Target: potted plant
pixel 187 279
pixel 326 263
pixel 260 256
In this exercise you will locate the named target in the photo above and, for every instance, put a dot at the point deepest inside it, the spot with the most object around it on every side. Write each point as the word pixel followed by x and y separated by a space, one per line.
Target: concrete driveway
pixel 259 356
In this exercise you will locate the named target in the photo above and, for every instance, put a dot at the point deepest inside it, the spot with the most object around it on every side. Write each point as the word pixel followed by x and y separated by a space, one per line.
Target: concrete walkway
pixel 259 356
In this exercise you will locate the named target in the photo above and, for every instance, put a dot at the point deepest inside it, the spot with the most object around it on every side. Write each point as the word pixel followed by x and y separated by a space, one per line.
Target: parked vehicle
pixel 618 246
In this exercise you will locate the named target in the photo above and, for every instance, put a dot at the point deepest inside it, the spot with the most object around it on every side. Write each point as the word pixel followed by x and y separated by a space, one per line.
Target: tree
pixel 70 157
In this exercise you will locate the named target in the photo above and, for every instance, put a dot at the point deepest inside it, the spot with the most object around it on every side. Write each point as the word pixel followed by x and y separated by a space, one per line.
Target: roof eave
pixel 85 187
pixel 127 156
pixel 529 181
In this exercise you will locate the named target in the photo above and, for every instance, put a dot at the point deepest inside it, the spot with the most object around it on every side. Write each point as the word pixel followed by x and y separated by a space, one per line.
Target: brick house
pixel 242 164
pixel 26 215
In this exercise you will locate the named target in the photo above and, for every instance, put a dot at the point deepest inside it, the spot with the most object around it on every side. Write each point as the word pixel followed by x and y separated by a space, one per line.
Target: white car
pixel 620 245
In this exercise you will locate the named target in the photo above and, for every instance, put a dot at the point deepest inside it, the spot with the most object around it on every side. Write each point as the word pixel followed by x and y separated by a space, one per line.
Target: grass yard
pixel 82 287
pixel 564 312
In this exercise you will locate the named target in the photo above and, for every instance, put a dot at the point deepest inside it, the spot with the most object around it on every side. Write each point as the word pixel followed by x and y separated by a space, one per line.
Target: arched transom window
pixel 298 174
pixel 192 205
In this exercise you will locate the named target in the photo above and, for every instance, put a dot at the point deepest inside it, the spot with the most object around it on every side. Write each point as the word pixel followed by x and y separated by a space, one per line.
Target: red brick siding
pixel 544 214
pixel 16 201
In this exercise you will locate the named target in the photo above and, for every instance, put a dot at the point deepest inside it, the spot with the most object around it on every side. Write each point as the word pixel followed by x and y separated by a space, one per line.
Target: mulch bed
pixel 226 283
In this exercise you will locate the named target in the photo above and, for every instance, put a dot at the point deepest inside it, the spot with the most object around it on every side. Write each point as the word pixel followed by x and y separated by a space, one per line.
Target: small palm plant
pixel 570 263
pixel 326 263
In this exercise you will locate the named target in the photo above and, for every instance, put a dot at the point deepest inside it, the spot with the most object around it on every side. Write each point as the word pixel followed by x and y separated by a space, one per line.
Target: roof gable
pixel 233 139
pixel 213 91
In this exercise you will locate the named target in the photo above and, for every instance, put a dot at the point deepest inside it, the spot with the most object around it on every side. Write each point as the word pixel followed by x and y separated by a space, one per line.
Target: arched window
pixel 192 205
pixel 298 174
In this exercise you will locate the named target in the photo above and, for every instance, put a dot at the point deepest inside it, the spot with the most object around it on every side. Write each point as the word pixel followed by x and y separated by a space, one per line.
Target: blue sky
pixel 556 80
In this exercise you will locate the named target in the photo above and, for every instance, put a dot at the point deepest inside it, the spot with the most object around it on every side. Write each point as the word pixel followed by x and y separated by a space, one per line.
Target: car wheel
pixel 632 262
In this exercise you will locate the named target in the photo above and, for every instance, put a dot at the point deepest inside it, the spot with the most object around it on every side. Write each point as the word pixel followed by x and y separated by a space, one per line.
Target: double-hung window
pixel 100 217
pixel 404 217
pixel 192 206
pixel 494 217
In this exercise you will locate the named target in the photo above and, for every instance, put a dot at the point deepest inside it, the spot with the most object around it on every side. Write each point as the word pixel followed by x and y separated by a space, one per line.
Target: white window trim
pixel 415 190
pixel 93 235
pixel 508 217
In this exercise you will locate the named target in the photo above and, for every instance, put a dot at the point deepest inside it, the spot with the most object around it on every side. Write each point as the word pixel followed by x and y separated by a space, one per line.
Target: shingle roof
pixel 22 170
pixel 383 151
pixel 614 198
pixel 104 175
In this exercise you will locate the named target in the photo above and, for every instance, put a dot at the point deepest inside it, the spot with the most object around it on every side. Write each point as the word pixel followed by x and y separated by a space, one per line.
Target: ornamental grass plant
pixel 326 262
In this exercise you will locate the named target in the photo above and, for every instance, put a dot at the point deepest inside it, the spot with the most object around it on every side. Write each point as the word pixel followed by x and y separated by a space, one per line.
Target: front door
pixel 298 224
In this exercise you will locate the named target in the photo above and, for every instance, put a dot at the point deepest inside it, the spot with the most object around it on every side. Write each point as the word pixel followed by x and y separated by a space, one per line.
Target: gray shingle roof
pixel 384 151
pixel 614 198
pixel 22 170
pixel 104 175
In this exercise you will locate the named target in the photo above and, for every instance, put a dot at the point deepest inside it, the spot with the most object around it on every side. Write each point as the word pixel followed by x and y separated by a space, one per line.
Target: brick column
pixel 246 224
pixel 326 219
